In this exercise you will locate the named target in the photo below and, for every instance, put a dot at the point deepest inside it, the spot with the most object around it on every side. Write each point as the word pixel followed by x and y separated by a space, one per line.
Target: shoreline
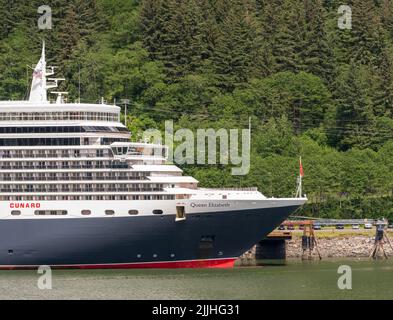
pixel 332 244
pixel 356 246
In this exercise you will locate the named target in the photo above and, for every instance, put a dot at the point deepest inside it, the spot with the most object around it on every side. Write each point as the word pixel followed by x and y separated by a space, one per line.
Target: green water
pixel 296 280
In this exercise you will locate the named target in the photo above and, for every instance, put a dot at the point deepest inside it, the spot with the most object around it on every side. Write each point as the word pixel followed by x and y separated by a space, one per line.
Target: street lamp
pixel 126 102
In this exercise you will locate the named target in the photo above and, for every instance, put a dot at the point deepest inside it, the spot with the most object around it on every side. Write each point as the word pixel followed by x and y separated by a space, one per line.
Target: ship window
pixel 86 212
pixel 50 212
pixel 109 212
pixel 157 212
pixel 15 212
pixel 133 212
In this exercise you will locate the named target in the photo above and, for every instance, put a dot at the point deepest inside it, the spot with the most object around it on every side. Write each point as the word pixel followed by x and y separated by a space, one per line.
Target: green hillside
pixel 310 88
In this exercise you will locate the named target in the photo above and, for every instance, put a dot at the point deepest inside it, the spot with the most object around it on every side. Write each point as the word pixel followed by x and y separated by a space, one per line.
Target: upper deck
pixel 23 112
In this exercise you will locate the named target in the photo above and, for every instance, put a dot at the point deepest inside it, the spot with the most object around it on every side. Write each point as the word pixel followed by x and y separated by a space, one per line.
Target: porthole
pixel 109 212
pixel 15 213
pixel 158 212
pixel 133 212
pixel 86 212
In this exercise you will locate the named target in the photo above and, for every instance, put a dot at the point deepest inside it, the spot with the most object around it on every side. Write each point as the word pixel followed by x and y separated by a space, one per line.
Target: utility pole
pixel 126 102
pixel 79 84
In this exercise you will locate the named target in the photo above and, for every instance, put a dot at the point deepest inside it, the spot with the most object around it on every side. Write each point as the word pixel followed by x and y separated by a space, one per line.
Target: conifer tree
pixel 269 20
pixel 355 111
pixel 317 55
pixel 172 34
pixel 150 25
pixel 236 57
pixel 9 17
pixel 387 17
pixel 367 42
pixel 80 21
pixel 383 96
pixel 287 38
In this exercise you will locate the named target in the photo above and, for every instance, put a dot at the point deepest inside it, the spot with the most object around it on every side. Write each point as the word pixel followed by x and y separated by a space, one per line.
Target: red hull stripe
pixel 213 263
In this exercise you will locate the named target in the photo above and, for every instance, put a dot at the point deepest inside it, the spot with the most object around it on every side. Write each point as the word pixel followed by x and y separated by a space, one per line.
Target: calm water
pixel 296 280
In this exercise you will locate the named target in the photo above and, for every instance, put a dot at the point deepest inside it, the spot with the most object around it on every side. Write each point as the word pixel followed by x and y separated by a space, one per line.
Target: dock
pixel 273 247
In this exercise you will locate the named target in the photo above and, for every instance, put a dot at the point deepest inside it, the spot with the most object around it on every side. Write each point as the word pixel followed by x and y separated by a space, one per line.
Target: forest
pixel 312 89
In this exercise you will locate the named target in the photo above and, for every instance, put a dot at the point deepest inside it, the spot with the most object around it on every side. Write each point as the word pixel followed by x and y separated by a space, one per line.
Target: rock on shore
pixel 338 247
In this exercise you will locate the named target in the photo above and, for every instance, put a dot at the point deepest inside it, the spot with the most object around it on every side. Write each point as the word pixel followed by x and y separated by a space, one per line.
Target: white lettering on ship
pixel 210 205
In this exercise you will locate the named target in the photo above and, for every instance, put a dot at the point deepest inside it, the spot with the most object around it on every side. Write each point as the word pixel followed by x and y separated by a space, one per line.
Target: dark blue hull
pixel 111 241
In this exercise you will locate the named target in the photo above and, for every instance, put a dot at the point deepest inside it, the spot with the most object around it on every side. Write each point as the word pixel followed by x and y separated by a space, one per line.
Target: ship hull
pixel 203 240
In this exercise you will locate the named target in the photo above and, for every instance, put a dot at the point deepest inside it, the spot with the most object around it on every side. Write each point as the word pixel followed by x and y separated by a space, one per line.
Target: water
pixel 296 280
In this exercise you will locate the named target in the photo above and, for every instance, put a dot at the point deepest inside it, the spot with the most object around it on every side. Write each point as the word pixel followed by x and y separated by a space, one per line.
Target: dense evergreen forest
pixel 310 88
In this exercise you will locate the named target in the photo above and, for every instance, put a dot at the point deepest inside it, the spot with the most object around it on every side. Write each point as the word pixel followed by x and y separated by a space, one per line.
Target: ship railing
pixel 60 166
pixel 253 189
pixel 33 179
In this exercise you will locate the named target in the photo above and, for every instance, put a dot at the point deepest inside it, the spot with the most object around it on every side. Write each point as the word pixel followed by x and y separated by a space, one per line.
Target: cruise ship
pixel 75 192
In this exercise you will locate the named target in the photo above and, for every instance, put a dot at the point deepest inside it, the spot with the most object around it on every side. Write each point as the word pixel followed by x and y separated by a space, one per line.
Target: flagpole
pixel 300 180
pixel 299 191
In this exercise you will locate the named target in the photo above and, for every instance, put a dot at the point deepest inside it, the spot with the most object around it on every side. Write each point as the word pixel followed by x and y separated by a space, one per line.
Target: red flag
pixel 301 168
